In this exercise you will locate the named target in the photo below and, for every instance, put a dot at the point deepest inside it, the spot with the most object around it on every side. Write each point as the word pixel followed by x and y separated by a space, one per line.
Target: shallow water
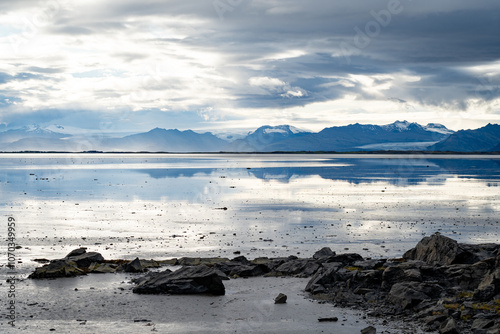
pixel 164 206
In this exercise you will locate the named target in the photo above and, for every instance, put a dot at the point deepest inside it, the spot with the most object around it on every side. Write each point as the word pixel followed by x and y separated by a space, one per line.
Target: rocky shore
pixel 441 285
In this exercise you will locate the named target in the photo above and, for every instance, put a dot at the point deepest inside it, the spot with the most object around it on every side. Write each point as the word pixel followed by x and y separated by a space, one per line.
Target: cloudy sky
pixel 225 65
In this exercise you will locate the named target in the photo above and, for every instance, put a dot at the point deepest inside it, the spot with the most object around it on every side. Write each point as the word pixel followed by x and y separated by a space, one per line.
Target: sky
pixel 123 66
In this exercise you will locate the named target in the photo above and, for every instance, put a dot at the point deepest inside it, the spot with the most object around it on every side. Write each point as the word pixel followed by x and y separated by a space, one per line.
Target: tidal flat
pixel 160 206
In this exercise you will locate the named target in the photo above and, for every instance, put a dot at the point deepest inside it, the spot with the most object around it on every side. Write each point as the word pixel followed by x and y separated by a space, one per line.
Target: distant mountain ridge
pixel 354 137
pixel 400 135
pixel 485 139
pixel 260 139
pixel 161 140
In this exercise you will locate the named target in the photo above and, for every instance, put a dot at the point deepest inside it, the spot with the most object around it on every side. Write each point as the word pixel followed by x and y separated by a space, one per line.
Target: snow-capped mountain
pixel 356 137
pixel 439 128
pixel 32 131
pixel 264 136
pixel 400 135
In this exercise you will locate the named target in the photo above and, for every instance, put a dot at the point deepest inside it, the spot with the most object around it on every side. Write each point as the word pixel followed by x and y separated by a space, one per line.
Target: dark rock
pixel 369 330
pixel 332 319
pixel 449 327
pixel 483 323
pixel 324 276
pixel 187 280
pixel 438 249
pixel 346 259
pixel 251 270
pixel 369 264
pixel 134 266
pixel 323 253
pixel 76 252
pixel 103 268
pixel 489 286
pixel 409 294
pixel 280 299
pixel 56 269
pixel 86 259
pixel 241 259
pixel 298 267
pixel 432 323
pixel 196 261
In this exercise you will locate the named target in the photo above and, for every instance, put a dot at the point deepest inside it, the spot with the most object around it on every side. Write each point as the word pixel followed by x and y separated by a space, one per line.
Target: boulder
pixel 440 250
pixel 86 259
pixel 369 330
pixel 280 299
pixel 56 269
pixel 187 280
pixel 323 253
pixel 76 252
pixel 407 295
pixel 134 266
pixel 482 323
pixel 324 276
pixel 449 327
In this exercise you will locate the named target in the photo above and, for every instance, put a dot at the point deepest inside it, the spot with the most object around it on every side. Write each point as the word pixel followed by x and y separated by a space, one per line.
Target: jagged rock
pixel 432 323
pixel 467 277
pixel 369 330
pixel 250 270
pixel 483 323
pixel 134 266
pixel 449 327
pixel 86 259
pixel 323 253
pixel 272 264
pixel 280 299
pixel 489 286
pixel 438 249
pixel 241 259
pixel 196 261
pixel 103 268
pixel 76 252
pixel 241 267
pixel 347 259
pixel 324 276
pixel 409 294
pixel 298 267
pixel 56 269
pixel 370 264
pixel 187 280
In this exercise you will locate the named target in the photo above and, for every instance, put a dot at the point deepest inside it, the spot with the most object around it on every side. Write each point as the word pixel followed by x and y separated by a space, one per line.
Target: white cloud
pixel 272 56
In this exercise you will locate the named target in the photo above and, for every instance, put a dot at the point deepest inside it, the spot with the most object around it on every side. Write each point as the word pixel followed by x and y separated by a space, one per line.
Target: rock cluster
pixel 77 262
pixel 445 286
pixel 80 262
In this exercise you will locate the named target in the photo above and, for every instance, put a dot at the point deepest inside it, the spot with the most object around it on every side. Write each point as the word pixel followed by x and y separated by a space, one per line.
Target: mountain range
pixel 400 136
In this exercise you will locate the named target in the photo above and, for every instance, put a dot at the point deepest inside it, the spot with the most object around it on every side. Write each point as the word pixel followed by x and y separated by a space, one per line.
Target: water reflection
pixel 188 176
pixel 301 202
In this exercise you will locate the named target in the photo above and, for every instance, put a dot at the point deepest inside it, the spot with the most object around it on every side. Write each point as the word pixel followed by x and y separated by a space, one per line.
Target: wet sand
pixel 104 303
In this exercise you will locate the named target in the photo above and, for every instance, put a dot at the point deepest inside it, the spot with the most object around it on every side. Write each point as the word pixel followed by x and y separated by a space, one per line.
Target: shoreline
pixel 327 274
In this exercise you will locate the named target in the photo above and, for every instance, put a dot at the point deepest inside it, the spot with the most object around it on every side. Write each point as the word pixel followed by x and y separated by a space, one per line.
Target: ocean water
pixel 172 205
